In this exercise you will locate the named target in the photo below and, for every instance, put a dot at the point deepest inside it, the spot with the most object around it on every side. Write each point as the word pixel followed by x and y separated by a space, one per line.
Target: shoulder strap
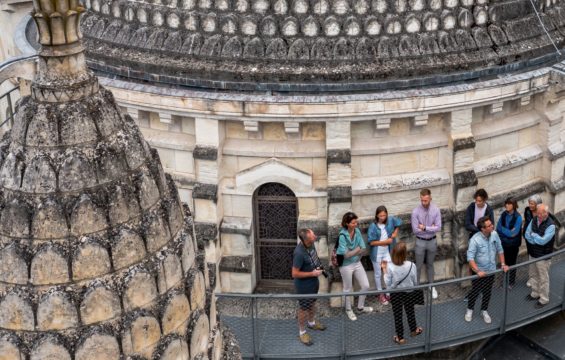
pixel 336 245
pixel 404 278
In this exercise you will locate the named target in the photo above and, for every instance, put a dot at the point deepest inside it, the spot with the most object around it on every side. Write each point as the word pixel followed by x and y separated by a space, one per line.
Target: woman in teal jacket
pixel 352 246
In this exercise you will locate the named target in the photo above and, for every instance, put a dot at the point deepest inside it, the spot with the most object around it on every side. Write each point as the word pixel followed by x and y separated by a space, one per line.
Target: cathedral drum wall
pixel 337 156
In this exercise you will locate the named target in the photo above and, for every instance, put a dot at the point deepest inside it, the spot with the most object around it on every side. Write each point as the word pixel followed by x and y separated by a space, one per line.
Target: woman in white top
pixel 402 274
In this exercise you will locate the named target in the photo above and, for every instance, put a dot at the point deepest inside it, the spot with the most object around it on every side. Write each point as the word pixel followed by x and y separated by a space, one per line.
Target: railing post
pixel 343 329
pixel 505 281
pixel 428 326
pixel 254 327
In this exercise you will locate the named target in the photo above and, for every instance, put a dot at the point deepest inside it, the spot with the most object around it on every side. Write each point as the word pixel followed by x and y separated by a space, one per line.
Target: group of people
pixel 389 258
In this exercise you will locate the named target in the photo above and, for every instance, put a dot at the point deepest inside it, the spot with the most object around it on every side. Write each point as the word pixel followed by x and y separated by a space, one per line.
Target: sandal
pixel 399 340
pixel 417 332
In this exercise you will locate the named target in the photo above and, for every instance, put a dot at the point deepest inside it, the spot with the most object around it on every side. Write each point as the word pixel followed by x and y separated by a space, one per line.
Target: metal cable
pixel 544 28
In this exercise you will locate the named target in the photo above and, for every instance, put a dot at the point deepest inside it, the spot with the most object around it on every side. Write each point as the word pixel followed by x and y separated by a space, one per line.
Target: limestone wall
pixel 353 152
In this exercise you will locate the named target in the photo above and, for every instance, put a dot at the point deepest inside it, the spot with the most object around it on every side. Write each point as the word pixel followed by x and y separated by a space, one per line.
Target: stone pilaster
pixel 338 153
pixel 551 131
pixel 207 205
pixel 464 177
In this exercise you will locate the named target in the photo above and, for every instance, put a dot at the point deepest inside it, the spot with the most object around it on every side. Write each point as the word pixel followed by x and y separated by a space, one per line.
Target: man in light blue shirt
pixel 481 255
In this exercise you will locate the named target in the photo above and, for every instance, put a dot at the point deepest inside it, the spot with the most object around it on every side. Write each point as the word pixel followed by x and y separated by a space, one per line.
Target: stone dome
pixel 97 257
pixel 318 45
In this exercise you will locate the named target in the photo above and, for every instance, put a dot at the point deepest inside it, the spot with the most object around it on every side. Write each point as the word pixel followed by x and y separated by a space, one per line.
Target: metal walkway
pixel 266 327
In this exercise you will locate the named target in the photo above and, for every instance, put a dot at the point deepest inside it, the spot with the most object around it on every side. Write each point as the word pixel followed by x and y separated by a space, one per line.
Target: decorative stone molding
pixel 165 118
pixel 320 227
pixel 339 194
pixel 205 191
pixel 236 225
pixel 273 170
pixel 251 126
pixel 464 143
pixel 385 184
pixel 338 156
pixel 421 120
pixel 382 123
pixel 507 161
pixel 205 152
pixel 205 231
pixel 465 179
pixel 496 107
pixel 292 127
pixel 237 264
pixel 536 187
pixel 525 100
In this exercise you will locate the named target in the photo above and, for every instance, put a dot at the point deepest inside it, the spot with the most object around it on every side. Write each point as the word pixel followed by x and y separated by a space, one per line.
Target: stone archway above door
pixel 273 171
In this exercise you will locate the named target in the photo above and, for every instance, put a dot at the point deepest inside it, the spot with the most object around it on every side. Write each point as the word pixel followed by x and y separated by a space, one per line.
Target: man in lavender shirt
pixel 426 222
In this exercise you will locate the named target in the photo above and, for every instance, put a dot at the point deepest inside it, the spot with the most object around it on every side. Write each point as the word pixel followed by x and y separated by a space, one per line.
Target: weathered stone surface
pixel 90 260
pixel 128 249
pixel 338 156
pixel 205 231
pixel 169 274
pixel 205 152
pixel 337 194
pixel 140 292
pixel 144 335
pixel 197 294
pixel 157 233
pixel 176 314
pixel 48 221
pixel 463 143
pixel 87 217
pixel 13 267
pixel 9 351
pixel 238 264
pixel 198 335
pixel 56 312
pixel 98 346
pixel 99 304
pixel 50 349
pixel 49 266
pixel 205 191
pixel 465 179
pixel 177 349
pixel 16 313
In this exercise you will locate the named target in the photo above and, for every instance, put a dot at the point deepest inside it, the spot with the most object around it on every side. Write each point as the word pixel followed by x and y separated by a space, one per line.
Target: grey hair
pixel 535 198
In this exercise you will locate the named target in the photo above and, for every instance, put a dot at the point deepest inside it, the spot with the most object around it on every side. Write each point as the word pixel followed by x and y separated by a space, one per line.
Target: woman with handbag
pixel 402 274
pixel 351 247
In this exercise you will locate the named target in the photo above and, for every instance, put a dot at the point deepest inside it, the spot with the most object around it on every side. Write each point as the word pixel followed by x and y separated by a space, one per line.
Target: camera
pixel 324 272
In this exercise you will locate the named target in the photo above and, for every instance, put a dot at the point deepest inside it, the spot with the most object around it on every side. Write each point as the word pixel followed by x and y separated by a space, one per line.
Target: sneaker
pixel 434 292
pixel 366 310
pixel 317 326
pixel 306 339
pixel 351 315
pixel 486 317
pixel 469 315
pixel 383 300
pixel 539 305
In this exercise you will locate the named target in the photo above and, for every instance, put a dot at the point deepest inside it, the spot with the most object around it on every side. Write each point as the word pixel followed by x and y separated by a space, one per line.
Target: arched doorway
pixel 275 215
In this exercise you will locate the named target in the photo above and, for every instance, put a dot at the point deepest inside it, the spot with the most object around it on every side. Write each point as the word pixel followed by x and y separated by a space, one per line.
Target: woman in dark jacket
pixel 509 230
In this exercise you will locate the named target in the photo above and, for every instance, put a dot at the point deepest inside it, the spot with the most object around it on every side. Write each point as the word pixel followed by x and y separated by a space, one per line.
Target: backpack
pixel 337 260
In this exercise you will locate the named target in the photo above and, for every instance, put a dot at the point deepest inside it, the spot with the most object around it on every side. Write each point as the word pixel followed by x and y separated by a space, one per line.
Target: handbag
pixel 417 296
pixel 337 260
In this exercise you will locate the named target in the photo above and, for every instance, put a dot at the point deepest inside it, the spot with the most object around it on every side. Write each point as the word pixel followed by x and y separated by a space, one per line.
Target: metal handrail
pixel 431 342
pixel 11 108
pixel 385 291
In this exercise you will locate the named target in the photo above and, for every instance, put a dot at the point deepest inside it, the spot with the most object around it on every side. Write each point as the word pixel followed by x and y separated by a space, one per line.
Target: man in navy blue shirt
pixel 306 268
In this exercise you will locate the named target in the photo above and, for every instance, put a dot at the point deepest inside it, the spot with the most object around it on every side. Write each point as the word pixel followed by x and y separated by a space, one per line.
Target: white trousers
pixel 347 273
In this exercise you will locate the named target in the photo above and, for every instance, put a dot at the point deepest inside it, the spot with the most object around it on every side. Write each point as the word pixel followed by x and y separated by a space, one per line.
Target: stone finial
pixel 58 24
pixel 62 72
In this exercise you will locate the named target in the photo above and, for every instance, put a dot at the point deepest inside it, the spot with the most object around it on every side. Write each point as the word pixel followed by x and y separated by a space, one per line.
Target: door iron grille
pixel 276 220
